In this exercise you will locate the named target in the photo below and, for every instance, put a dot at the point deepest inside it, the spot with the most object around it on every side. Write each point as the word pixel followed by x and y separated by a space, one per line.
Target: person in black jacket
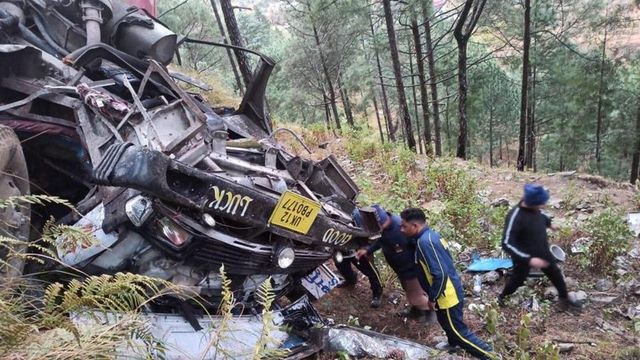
pixel 399 252
pixel 525 239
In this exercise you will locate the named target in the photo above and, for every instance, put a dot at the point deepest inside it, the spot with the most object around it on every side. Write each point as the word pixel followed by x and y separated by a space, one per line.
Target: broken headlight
pixel 284 257
pixel 169 230
pixel 138 209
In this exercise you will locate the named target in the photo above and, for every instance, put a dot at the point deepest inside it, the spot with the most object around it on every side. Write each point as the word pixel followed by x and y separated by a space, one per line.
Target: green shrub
pixel 610 237
pixel 463 208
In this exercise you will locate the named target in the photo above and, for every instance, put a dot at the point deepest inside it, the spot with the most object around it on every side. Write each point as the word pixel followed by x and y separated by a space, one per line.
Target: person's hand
pixel 553 227
pixel 431 306
pixel 538 263
pixel 360 253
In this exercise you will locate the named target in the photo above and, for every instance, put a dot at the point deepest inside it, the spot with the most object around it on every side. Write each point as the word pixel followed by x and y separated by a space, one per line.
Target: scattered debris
pixel 533 304
pixel 360 343
pixel 489 264
pixel 608 327
pixel 604 285
pixel 564 348
pixel 634 223
pixel 491 277
pixel 603 299
pixel 477 285
pixel 557 203
pixel 558 253
pixel 578 296
pixel 551 293
pixel 581 245
pixel 500 202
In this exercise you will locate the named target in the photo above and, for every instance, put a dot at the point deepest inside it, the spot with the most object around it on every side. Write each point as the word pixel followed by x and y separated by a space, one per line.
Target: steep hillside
pixel 466 203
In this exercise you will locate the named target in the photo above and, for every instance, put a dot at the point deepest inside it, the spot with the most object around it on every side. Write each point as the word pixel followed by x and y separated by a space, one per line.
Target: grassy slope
pixel 456 195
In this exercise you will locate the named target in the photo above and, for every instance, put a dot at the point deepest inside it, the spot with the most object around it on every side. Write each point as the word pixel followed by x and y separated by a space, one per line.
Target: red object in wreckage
pixel 148 5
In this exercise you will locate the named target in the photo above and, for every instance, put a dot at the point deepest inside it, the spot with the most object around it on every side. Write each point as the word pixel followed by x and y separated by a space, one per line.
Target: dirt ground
pixel 598 332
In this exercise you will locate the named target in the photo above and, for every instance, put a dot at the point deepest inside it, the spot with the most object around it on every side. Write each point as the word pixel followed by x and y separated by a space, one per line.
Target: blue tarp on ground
pixel 489 264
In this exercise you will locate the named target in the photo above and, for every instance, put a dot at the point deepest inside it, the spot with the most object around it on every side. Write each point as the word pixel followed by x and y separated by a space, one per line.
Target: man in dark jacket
pixel 439 277
pixel 525 239
pixel 366 267
pixel 399 252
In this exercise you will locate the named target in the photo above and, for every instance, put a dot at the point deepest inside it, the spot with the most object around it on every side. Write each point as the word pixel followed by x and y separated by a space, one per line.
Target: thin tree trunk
pixel 525 85
pixel 530 125
pixel 424 97
pixel 391 129
pixel 461 151
pixel 402 100
pixel 491 136
pixel 236 40
pixel 600 96
pixel 327 113
pixel 375 107
pixel 500 149
pixel 325 70
pixel 345 103
pixel 415 99
pixel 635 161
pixel 446 123
pixel 236 75
pixel 432 81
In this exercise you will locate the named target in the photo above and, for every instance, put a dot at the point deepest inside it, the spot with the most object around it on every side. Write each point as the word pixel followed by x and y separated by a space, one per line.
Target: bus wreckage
pixel 170 186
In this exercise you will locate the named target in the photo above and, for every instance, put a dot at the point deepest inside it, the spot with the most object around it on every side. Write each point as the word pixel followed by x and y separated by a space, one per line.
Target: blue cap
pixel 535 195
pixel 381 214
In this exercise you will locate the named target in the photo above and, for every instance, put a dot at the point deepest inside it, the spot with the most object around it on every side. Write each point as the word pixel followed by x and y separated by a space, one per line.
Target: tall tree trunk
pixel 415 99
pixel 600 96
pixel 402 100
pixel 325 70
pixel 236 75
pixel 462 31
pixel 391 129
pixel 327 113
pixel 525 85
pixel 424 96
pixel 446 122
pixel 635 161
pixel 375 107
pixel 345 103
pixel 461 150
pixel 432 81
pixel 530 125
pixel 236 40
pixel 491 136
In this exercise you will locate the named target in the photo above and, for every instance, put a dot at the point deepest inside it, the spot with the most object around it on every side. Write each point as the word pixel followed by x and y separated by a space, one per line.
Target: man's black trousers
pixel 366 267
pixel 521 271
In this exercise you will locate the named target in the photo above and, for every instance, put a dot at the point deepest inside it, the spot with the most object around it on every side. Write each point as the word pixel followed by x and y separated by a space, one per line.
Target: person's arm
pixel 549 223
pixel 430 261
pixel 511 237
pixel 374 247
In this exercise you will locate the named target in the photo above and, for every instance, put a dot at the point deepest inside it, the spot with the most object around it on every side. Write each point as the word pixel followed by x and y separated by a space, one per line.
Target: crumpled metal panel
pixel 360 343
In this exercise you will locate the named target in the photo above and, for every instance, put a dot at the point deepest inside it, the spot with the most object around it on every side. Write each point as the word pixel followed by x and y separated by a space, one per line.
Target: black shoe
pixel 569 305
pixel 427 317
pixel 376 302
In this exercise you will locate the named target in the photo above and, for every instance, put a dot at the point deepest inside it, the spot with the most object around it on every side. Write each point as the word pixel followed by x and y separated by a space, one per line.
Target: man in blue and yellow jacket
pixel 440 280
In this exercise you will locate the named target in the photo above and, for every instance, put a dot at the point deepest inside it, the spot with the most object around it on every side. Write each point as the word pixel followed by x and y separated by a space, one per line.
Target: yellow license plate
pixel 295 212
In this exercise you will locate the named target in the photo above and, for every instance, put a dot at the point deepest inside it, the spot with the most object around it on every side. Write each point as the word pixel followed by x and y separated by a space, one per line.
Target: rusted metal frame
pixel 89 137
pixel 143 111
pixel 154 67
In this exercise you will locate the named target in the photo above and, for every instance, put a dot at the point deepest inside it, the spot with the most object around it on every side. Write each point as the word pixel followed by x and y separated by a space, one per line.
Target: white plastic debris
pixel 634 223
pixel 360 343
